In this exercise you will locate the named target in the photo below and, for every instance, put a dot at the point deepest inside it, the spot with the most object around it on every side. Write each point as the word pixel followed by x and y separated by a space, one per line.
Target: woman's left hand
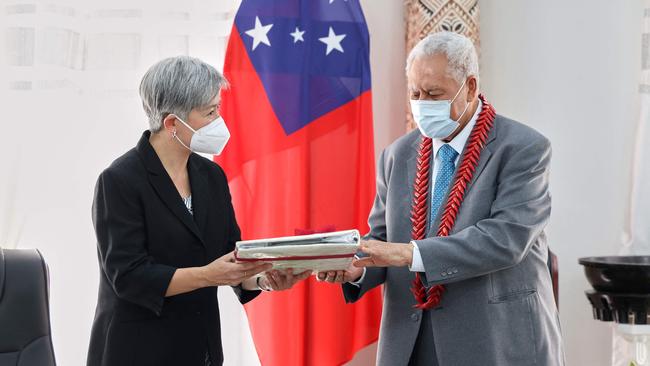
pixel 278 280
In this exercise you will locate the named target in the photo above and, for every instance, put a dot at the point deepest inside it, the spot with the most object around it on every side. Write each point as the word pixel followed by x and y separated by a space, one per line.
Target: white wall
pixel 567 68
pixel 570 69
pixel 385 20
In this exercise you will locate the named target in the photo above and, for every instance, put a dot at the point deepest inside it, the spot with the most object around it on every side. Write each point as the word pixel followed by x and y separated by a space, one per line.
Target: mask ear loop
pixel 455 96
pixel 462 114
pixel 183 122
pixel 181 142
pixel 176 137
pixel 458 92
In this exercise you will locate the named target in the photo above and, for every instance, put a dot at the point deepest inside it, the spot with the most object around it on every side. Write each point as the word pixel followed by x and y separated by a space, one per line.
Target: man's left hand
pixel 381 254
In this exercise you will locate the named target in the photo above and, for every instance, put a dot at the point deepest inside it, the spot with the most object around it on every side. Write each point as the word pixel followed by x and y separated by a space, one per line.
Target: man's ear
pixel 472 88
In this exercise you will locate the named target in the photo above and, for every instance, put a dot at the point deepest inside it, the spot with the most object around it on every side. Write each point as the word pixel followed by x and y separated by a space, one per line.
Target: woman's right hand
pixel 226 271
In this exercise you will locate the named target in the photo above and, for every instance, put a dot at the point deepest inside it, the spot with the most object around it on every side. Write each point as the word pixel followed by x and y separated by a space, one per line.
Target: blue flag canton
pixel 312 56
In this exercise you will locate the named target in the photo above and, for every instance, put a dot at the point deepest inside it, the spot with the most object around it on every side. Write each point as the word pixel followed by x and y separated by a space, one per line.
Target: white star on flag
pixel 297 35
pixel 259 33
pixel 333 41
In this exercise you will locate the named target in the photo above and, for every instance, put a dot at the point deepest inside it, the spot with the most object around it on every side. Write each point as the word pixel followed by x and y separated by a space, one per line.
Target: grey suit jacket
pixel 498 308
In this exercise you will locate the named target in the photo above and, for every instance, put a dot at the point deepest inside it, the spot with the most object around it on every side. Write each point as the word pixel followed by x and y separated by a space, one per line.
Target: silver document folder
pixel 317 252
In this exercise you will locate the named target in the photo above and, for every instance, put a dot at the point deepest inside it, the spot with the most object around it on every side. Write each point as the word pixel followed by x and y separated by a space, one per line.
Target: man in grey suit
pixel 497 306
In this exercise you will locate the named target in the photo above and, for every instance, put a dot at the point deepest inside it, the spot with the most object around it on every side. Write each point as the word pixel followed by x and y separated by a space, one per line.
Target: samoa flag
pixel 301 160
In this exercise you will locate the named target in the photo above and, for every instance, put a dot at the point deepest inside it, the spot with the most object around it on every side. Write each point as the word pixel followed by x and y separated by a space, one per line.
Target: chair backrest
pixel 554 269
pixel 24 309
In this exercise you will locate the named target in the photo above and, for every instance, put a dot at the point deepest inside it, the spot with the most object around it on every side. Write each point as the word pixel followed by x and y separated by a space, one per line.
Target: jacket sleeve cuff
pixel 360 280
pixel 245 296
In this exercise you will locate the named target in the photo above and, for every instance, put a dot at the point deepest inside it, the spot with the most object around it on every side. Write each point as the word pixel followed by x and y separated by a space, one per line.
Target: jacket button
pixel 415 317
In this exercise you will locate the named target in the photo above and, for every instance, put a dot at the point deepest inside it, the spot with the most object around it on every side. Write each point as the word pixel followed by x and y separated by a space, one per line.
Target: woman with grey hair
pixel 166 230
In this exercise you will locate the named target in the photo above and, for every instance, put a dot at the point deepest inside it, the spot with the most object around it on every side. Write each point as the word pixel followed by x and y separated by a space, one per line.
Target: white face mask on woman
pixel 210 139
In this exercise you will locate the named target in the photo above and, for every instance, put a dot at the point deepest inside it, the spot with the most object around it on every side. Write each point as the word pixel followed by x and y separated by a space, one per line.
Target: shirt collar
pixel 458 143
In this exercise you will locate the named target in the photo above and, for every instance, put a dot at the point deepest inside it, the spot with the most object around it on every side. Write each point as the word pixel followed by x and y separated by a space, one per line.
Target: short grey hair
pixel 176 85
pixel 460 51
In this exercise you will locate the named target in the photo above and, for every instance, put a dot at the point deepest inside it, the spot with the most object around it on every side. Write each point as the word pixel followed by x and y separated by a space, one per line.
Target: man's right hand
pixel 226 271
pixel 351 274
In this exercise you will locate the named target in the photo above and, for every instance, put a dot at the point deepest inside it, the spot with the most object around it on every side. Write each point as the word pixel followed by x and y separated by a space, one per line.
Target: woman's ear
pixel 169 122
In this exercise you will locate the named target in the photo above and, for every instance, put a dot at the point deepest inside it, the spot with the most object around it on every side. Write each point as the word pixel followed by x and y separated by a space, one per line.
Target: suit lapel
pixel 164 186
pixel 200 192
pixel 411 168
pixel 167 192
pixel 485 157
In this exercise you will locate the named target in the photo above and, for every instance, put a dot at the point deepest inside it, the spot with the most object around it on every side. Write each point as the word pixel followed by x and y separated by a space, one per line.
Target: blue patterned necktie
pixel 447 156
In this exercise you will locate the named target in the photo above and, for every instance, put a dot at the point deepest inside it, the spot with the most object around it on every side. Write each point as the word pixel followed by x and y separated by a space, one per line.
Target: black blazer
pixel 144 232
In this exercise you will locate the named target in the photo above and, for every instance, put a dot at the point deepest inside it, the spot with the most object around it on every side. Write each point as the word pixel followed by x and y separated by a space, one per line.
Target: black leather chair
pixel 24 309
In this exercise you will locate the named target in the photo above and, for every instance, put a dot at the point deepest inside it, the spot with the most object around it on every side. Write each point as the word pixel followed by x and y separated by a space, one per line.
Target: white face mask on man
pixel 433 117
pixel 210 139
